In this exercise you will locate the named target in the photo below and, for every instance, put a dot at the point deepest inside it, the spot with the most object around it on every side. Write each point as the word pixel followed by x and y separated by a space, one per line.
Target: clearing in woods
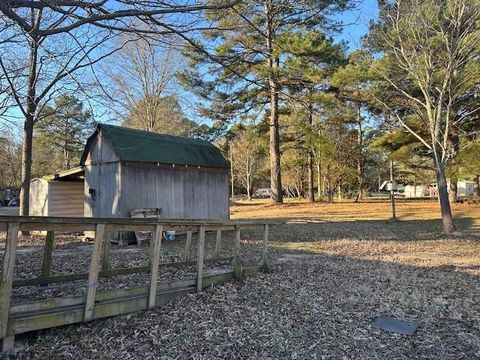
pixel 345 264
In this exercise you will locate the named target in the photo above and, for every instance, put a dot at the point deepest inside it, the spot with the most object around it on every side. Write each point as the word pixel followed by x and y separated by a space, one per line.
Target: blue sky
pixel 356 22
pixel 355 27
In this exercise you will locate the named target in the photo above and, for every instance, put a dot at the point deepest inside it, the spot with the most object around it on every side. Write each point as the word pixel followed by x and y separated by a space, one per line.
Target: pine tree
pixel 65 128
pixel 237 70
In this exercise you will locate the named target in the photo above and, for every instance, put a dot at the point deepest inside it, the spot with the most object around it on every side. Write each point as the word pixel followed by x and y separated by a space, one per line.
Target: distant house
pixel 128 169
pixel 419 191
pixel 464 188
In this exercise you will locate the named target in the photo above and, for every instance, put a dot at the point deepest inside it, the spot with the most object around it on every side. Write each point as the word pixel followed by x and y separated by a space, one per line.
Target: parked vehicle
pixel 13 203
pixel 262 193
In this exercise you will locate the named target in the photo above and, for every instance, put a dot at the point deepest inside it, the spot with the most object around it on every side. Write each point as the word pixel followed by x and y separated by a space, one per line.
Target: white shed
pixel 61 194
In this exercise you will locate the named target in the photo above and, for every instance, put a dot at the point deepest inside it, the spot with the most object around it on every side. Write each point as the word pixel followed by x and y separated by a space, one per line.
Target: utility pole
pixel 392 191
pixel 231 168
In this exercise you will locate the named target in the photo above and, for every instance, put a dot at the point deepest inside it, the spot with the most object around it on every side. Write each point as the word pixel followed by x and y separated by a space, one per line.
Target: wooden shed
pixel 128 169
pixel 61 194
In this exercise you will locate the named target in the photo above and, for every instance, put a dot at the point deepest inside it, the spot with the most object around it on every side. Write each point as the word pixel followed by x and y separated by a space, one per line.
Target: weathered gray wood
pixel 107 246
pixel 182 192
pixel 236 242
pixel 155 246
pixel 188 247
pixel 7 276
pixel 62 311
pixel 42 221
pixel 237 268
pixel 251 270
pixel 47 253
pixel 93 272
pixel 218 243
pixel 8 344
pixel 109 273
pixel 200 256
pixel 265 245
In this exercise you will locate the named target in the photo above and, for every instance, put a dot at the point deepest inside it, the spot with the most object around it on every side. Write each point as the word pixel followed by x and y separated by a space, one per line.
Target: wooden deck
pixel 25 317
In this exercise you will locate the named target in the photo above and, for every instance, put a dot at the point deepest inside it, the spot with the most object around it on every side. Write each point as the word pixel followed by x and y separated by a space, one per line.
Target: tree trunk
pixel 275 170
pixel 311 194
pixel 319 180
pixel 26 166
pixel 330 196
pixel 273 88
pixel 27 146
pixel 361 157
pixel 231 171
pixel 476 186
pixel 249 195
pixel 446 211
pixel 392 192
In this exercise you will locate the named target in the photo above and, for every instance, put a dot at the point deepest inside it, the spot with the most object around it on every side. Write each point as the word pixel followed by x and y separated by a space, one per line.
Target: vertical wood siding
pixel 181 192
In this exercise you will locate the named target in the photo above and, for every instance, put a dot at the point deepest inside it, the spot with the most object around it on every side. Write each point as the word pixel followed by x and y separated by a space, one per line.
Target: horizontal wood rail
pixel 76 224
pixel 95 304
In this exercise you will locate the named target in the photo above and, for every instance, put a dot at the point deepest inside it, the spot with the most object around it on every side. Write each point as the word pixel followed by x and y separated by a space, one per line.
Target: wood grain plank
pixel 93 272
pixel 47 253
pixel 155 247
pixel 7 276
pixel 200 256
pixel 265 245
pixel 188 247
pixel 218 243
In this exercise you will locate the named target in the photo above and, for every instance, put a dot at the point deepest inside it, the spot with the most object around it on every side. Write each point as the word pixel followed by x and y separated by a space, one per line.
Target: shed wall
pixel 181 192
pixel 102 180
pixel 102 190
pixel 39 197
pixel 101 151
pixel 65 198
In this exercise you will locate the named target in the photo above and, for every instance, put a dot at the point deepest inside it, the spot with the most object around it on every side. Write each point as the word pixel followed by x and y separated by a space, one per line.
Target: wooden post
pixel 218 243
pixel 237 263
pixel 155 246
pixel 200 256
pixel 47 254
pixel 6 283
pixel 265 246
pixel 188 247
pixel 392 192
pixel 231 172
pixel 93 272
pixel 106 253
pixel 236 242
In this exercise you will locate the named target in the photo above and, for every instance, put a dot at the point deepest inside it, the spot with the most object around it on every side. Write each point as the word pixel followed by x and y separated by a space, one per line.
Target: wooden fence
pixel 42 314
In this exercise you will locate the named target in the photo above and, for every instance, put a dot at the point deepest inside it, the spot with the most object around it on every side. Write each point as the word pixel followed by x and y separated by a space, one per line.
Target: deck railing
pixel 41 314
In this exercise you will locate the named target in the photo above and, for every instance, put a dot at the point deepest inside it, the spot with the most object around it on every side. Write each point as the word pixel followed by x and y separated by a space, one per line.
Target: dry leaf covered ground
pixel 341 265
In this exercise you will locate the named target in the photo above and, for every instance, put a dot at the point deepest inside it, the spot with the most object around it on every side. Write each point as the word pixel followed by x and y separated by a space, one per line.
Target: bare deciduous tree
pixel 142 78
pixel 430 62
pixel 246 154
pixel 46 44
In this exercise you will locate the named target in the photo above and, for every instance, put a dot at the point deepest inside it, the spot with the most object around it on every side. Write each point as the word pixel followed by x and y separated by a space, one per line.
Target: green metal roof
pixel 143 146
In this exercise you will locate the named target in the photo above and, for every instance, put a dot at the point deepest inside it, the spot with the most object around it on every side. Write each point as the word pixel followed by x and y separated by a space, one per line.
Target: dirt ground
pixel 340 266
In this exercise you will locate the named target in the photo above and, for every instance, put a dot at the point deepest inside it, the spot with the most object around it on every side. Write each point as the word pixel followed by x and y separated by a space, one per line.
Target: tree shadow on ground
pixel 316 306
pixel 312 229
